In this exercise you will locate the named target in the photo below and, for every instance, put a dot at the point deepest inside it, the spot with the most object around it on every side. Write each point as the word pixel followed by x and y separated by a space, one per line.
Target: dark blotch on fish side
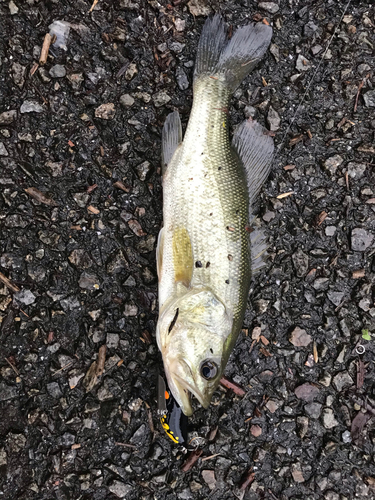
pixel 198 264
pixel 173 321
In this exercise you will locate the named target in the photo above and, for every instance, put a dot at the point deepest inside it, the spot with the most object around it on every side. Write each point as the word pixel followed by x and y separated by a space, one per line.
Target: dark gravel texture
pixel 89 279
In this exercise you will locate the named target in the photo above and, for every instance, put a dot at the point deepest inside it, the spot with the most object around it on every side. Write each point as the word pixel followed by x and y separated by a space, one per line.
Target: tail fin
pixel 230 60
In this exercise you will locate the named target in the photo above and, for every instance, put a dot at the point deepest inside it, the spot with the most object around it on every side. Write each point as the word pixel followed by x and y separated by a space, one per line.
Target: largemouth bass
pixel 205 254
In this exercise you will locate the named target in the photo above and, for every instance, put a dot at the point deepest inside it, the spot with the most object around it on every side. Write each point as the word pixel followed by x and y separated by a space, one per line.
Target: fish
pixel 207 251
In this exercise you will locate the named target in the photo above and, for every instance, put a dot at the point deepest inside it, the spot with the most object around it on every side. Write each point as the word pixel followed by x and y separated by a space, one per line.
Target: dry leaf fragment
pixel 122 186
pixel 247 480
pixel 93 210
pixel 41 197
pixel 289 167
pixel 371 201
pixel 136 227
pixel 360 273
pixel 233 386
pixel 321 218
pixel 95 371
pixel 8 283
pixel 264 340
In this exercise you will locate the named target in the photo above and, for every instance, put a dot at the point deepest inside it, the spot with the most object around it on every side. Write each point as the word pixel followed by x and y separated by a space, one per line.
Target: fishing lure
pixel 172 419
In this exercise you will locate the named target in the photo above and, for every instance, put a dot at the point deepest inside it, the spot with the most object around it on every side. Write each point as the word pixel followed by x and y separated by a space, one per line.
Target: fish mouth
pixel 184 387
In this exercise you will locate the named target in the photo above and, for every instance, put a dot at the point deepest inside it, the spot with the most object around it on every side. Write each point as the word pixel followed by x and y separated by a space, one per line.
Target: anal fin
pixel 258 242
pixel 171 138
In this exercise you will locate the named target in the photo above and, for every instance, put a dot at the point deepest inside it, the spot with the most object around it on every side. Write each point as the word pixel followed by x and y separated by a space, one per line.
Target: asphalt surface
pixel 82 135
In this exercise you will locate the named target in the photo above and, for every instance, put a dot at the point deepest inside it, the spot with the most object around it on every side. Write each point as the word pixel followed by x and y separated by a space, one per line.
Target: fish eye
pixel 209 369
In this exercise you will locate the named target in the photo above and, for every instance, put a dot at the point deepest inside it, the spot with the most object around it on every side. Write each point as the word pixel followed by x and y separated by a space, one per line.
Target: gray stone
pixel 369 98
pixel 307 392
pixel 88 281
pixel 131 71
pixel 336 297
pixel 365 304
pixel 3 150
pixel 356 170
pixel 363 69
pixel 361 239
pixel 25 297
pixel 250 112
pixel 138 436
pixel 13 9
pixel 342 381
pixel 80 258
pixel 127 100
pixel 199 8
pixel 321 284
pixel 57 71
pixel 182 79
pixel 270 7
pixel 120 489
pixel 330 230
pixel 346 437
pixel 18 72
pixel 316 49
pixel 302 63
pixel 161 98
pixel 106 111
pixel 301 262
pixel 113 340
pixel 8 117
pixel 329 420
pixel 333 163
pixel 209 478
pixel 176 47
pixel 313 410
pixel 143 170
pixel 273 119
pixel 31 107
pixel 70 303
pixel 7 391
pixel 54 390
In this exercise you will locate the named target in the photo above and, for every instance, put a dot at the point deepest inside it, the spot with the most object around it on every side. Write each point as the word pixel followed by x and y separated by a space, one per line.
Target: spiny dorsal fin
pixel 255 149
pixel 171 138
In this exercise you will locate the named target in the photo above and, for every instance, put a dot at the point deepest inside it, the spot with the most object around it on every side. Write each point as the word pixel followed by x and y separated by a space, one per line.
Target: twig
pixel 233 386
pixel 12 366
pixel 8 283
pixel 211 456
pixel 63 368
pixel 45 49
pixel 93 6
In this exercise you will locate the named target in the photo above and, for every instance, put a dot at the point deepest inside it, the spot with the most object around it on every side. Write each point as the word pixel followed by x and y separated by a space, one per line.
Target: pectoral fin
pixel 183 261
pixel 159 252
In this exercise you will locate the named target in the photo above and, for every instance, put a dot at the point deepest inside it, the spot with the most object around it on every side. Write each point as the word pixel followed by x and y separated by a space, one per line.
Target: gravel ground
pixel 83 132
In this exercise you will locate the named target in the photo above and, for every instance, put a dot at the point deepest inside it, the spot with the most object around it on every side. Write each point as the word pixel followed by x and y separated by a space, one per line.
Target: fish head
pixel 192 334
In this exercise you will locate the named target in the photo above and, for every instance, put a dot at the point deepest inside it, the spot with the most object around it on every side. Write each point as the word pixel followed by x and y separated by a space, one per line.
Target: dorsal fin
pixel 171 138
pixel 255 149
